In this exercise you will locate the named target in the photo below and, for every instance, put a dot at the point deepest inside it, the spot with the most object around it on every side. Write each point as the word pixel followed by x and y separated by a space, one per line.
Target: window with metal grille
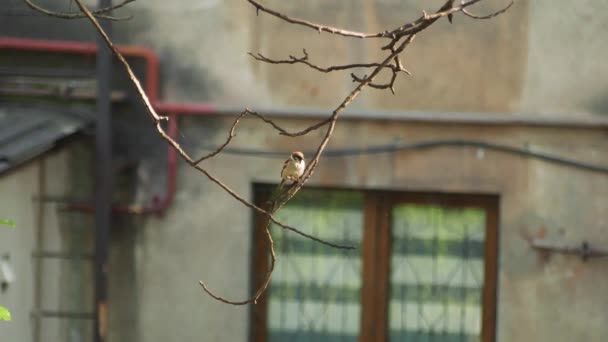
pixel 424 268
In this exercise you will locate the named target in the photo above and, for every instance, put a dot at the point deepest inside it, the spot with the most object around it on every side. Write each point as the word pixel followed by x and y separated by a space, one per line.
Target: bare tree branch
pixel 395 35
pixel 100 13
pixel 399 39
pixel 281 130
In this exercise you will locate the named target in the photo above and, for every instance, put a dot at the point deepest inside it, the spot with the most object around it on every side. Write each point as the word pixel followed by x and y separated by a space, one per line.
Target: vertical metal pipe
pixel 103 178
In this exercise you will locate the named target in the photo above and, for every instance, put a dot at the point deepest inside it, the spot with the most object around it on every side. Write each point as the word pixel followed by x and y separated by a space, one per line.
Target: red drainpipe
pixel 159 205
pixel 58 46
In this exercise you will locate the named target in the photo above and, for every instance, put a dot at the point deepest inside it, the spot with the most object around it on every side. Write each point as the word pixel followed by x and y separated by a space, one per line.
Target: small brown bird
pixel 293 168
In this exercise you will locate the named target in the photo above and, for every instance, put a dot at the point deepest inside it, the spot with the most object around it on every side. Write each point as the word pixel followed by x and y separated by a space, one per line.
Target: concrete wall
pixel 65 285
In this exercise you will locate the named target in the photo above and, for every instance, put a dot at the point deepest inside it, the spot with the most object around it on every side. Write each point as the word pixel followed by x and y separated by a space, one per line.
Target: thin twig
pixel 281 130
pixel 231 135
pixel 427 20
pixel 265 283
pixel 304 60
pixel 489 16
pixel 100 13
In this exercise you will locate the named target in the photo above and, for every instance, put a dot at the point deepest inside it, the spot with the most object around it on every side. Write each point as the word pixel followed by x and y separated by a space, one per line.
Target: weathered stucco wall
pixel 450 71
pixel 206 233
pixel 566 58
pixel 536 58
pixel 521 61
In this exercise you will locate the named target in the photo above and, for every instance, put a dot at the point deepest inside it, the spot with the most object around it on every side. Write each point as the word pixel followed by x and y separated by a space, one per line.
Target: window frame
pixel 376 253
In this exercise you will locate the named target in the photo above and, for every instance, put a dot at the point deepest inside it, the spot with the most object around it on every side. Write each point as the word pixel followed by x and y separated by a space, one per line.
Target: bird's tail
pixel 272 200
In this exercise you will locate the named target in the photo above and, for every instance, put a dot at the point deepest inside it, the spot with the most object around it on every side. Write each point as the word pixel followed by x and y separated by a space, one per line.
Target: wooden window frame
pixel 375 254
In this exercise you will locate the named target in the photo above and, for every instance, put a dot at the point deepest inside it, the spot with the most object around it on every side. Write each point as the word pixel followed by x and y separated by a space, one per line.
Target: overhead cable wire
pixel 424 145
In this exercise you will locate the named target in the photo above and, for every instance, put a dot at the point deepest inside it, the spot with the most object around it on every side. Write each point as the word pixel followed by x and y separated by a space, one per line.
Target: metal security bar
pixel 437 267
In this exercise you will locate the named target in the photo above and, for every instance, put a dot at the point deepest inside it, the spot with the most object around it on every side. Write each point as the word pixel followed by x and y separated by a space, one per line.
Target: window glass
pixel 437 273
pixel 315 292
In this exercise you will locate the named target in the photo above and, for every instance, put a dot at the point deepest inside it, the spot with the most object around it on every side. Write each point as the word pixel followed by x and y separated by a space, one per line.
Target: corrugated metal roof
pixel 27 131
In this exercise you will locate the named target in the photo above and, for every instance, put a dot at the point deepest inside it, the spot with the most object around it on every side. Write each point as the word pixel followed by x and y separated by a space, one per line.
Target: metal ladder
pixel 40 254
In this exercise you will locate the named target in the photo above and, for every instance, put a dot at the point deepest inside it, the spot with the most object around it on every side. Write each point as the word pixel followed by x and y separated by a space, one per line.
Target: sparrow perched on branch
pixel 292 170
pixel 294 166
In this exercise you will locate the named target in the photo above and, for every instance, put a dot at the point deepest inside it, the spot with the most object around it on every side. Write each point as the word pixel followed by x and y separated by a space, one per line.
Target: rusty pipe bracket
pixel 585 251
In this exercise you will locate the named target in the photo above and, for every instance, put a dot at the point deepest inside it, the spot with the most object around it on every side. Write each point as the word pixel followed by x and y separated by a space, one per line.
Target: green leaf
pixel 7 222
pixel 5 315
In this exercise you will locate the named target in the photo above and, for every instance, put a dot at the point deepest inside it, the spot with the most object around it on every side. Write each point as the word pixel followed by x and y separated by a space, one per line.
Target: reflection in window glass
pixel 315 291
pixel 437 272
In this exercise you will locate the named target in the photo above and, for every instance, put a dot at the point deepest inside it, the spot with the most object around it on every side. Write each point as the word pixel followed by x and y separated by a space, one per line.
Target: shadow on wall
pixel 195 82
